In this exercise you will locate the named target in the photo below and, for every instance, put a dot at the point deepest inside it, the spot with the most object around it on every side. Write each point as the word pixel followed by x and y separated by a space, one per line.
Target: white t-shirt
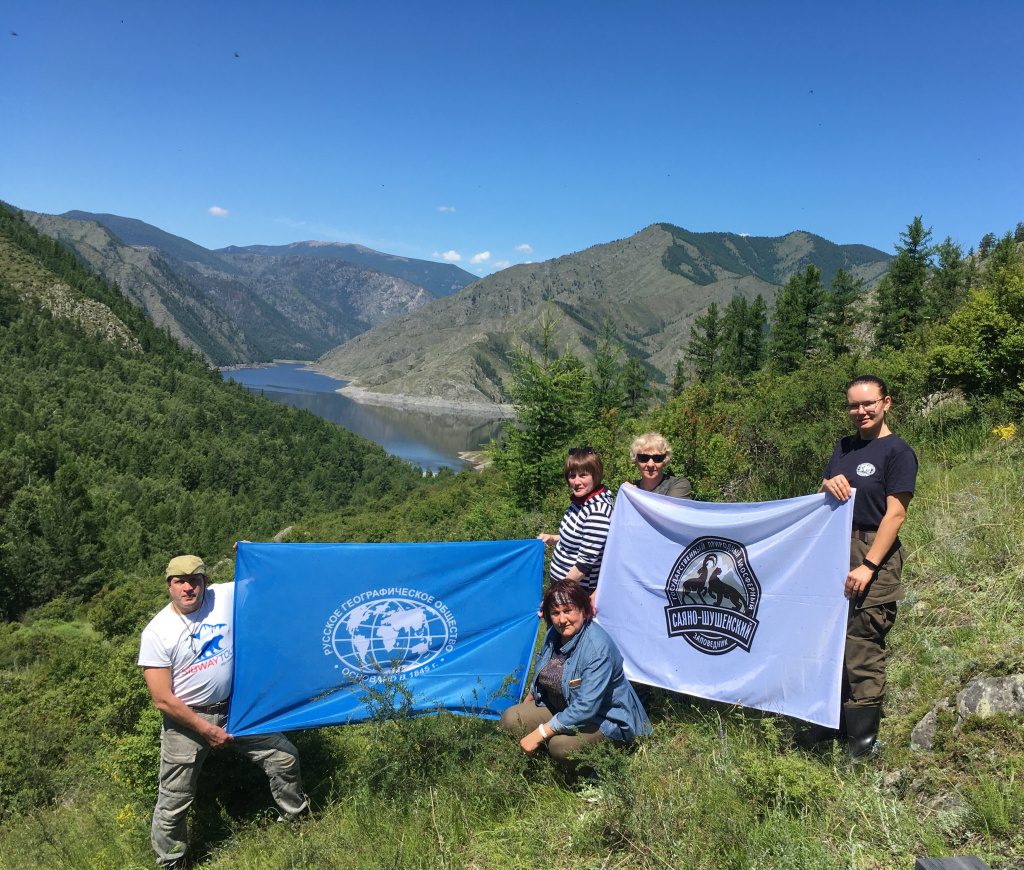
pixel 197 647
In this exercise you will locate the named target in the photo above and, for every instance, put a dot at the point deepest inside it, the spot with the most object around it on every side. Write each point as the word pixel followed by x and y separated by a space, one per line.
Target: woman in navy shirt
pixel 883 469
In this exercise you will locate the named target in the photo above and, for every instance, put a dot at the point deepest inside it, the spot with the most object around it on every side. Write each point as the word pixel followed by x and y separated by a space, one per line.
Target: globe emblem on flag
pixel 389 635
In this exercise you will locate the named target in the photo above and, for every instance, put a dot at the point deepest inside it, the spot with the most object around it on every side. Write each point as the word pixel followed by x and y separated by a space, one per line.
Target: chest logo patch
pixel 865 469
pixel 713 597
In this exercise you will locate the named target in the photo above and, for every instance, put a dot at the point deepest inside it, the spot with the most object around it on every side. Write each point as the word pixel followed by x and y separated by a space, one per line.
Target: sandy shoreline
pixel 427 403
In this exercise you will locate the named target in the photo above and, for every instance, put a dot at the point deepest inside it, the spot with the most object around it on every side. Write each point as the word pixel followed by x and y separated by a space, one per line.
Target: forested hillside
pixel 115 452
pixel 143 453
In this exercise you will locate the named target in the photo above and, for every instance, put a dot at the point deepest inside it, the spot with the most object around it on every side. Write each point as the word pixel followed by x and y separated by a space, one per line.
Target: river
pixel 430 440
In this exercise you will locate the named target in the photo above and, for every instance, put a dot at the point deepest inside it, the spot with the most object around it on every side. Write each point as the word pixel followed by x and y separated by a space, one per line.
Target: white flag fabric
pixel 741 603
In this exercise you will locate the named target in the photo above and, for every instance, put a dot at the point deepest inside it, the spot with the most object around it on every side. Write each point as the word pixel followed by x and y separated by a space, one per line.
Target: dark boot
pixel 862 732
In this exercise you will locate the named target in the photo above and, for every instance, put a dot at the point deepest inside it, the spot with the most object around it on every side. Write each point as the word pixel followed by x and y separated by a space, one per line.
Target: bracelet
pixel 870 564
pixel 543 731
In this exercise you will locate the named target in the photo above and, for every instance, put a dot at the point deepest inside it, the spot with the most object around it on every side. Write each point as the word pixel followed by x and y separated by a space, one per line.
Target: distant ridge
pixel 238 308
pixel 651 286
pixel 136 232
pixel 441 279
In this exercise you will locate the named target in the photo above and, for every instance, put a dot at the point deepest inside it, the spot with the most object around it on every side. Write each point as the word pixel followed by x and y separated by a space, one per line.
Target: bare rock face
pixel 984 696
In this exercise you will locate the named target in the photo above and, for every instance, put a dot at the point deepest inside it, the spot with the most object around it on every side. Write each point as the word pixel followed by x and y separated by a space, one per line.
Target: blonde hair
pixel 650 442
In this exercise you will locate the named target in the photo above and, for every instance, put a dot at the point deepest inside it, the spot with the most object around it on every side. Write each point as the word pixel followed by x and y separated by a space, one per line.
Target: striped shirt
pixel 581 537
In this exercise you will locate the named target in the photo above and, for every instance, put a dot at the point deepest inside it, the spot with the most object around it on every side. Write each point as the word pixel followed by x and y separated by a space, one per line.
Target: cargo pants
pixel 870 618
pixel 182 753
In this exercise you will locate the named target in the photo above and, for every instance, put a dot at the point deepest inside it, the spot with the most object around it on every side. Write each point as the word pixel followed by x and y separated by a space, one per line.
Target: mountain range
pixel 406 330
pixel 240 306
pixel 650 286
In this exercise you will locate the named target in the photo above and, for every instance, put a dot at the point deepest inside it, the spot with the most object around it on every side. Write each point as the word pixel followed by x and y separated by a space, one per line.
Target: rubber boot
pixel 862 732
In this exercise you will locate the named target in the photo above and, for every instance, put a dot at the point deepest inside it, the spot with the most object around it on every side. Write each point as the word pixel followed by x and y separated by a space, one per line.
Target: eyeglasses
pixel 867 406
pixel 580 451
pixel 647 457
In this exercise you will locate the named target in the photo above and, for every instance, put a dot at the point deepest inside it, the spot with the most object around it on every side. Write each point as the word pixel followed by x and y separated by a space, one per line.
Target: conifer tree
pixel 836 320
pixel 795 319
pixel 900 294
pixel 705 343
pixel 606 372
pixel 743 325
pixel 947 286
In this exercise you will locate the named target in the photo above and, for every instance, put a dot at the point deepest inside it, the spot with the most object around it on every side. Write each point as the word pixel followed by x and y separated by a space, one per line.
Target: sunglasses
pixel 647 457
pixel 580 451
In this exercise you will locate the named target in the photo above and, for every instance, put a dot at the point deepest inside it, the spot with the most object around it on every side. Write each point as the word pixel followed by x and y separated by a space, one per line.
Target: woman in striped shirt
pixel 579 543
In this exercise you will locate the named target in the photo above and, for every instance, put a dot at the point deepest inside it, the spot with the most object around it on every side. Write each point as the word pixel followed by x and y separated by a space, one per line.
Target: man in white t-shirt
pixel 187 655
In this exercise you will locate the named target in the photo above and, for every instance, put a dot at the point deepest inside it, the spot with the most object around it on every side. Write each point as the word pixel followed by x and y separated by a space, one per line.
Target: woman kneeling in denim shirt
pixel 579 693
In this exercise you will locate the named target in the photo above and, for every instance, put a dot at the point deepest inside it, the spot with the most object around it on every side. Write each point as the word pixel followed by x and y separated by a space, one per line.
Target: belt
pixel 210 709
pixel 865 535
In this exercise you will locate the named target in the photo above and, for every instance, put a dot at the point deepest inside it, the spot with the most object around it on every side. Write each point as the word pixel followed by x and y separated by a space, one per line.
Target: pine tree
pixel 743 325
pixel 795 319
pixel 836 320
pixel 705 343
pixel 900 294
pixel 606 371
pixel 947 286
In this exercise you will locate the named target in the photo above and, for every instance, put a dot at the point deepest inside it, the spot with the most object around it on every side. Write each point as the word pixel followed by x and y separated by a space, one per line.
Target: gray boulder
pixel 984 696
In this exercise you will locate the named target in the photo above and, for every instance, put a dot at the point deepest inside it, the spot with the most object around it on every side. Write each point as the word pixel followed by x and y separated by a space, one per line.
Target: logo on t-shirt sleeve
pixel 865 469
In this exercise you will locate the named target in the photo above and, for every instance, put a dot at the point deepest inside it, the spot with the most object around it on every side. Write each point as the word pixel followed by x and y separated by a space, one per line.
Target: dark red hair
pixel 567 591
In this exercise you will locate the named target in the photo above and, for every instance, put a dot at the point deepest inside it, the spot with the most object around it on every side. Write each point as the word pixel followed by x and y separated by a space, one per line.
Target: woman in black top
pixel 883 470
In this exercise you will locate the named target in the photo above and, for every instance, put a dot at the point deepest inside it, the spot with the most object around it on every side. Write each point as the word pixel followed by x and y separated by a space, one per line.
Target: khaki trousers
pixel 182 753
pixel 523 718
pixel 869 620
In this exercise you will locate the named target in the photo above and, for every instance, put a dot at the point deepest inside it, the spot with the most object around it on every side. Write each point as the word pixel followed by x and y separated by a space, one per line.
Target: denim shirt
pixel 596 691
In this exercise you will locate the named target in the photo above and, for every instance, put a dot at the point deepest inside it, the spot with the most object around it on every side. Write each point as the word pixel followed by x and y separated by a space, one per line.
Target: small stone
pixel 892 779
pixel 922 738
pixel 945 802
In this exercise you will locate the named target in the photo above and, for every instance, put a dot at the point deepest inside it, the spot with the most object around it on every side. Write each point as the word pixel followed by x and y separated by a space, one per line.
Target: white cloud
pixel 744 235
pixel 501 264
pixel 446 208
pixel 451 256
pixel 217 211
pixel 436 255
pixel 481 257
pixel 524 249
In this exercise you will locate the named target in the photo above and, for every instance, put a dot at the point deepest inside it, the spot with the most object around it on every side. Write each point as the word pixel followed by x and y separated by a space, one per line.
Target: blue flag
pixel 317 626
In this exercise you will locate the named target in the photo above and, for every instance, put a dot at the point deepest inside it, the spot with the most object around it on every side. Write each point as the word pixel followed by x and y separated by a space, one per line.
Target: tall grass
pixel 714 787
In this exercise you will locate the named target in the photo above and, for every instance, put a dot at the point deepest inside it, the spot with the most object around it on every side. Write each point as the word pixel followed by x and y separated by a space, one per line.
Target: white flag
pixel 741 603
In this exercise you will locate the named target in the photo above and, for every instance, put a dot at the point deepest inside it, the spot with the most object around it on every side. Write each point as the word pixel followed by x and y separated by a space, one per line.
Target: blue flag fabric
pixel 317 625
pixel 741 603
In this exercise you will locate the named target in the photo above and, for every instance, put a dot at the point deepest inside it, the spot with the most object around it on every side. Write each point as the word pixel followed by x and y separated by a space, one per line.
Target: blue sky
pixel 499 133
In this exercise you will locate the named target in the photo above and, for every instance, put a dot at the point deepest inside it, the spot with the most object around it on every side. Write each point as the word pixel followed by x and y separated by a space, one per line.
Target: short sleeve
pixel 901 474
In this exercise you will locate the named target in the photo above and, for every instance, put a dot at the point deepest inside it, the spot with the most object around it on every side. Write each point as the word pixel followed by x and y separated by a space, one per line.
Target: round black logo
pixel 713 597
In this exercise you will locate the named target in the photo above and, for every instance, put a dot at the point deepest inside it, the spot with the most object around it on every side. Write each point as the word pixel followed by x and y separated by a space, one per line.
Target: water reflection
pixel 427 439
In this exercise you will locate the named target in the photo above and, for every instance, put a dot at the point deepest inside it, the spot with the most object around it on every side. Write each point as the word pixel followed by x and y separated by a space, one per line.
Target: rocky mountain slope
pixel 650 285
pixel 238 307
pixel 441 279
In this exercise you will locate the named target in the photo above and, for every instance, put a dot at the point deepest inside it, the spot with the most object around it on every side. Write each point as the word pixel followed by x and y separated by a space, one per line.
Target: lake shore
pixel 427 403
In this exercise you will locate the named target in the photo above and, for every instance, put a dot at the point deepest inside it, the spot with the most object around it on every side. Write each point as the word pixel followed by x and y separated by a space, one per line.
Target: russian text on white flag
pixel 741 603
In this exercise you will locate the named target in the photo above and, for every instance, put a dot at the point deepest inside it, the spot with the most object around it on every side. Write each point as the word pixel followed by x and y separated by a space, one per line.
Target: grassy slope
pixel 713 788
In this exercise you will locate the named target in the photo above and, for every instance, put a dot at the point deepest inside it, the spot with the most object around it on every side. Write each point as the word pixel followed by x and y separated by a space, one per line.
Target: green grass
pixel 714 787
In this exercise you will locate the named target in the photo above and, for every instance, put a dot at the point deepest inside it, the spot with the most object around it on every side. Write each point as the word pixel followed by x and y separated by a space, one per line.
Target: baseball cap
pixel 181 566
